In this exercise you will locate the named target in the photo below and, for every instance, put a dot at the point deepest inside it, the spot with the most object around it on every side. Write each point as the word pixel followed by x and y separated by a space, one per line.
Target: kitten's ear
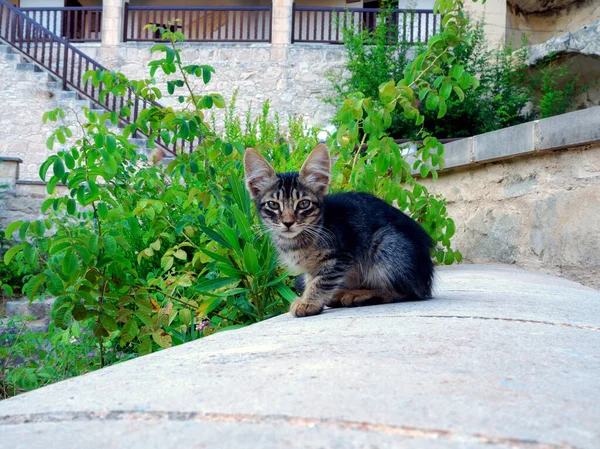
pixel 316 170
pixel 259 173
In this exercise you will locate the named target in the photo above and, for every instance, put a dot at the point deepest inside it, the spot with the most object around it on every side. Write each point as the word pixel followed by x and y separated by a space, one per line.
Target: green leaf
pixel 109 323
pixel 59 168
pixel 7 289
pixel 442 108
pixel 69 161
pixel 457 71
pixel 52 184
pixel 208 306
pixel 12 228
pixel 432 101
pixel 110 244
pixel 39 228
pixel 55 285
pixel 459 92
pixel 102 210
pixel 445 90
pixel 70 263
pixel 450 228
pixel 92 244
pixel 129 331
pixel 145 347
pixel 8 255
pixel 71 206
pixel 111 143
pixel 251 259
pixel 80 313
pixel 45 166
pixel 180 254
pixel 23 230
pixel 162 339
pixel 286 292
pixel 213 284
pixel 449 259
pixel 185 316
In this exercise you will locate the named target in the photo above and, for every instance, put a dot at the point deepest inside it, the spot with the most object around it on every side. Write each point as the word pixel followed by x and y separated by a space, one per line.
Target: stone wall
pixel 25 95
pixel 529 195
pixel 292 77
pixel 541 21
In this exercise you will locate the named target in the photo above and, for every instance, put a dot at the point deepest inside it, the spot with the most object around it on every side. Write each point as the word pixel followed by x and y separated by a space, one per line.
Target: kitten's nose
pixel 288 224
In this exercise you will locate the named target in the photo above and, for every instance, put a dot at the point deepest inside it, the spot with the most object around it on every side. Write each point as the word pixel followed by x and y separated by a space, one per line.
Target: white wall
pixel 46 20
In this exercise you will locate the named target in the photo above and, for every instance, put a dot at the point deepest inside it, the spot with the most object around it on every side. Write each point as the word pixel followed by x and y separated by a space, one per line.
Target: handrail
pixel 200 8
pixel 64 61
pixel 324 24
pixel 200 23
pixel 352 10
pixel 80 24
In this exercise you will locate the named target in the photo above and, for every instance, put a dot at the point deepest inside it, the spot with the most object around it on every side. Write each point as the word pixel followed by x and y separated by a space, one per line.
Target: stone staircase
pixel 38 310
pixel 21 156
pixel 64 98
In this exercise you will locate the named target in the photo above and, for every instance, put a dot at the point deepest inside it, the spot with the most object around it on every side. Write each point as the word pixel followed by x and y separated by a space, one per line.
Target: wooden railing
pixel 200 23
pixel 327 25
pixel 81 24
pixel 68 64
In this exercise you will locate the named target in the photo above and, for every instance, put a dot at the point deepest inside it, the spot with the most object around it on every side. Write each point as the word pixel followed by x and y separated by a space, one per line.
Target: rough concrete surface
pixel 501 358
pixel 539 211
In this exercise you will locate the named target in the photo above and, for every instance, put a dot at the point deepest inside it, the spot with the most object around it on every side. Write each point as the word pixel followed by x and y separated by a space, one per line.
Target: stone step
pixel 140 142
pixel 39 309
pixel 25 67
pixel 67 95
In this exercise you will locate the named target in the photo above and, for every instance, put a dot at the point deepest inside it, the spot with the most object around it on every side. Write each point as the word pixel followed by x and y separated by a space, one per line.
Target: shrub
pixel 502 93
pixel 148 256
pixel 553 88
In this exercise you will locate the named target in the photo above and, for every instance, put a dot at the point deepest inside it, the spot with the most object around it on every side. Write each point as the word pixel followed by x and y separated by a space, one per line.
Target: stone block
pixel 504 143
pixel 457 153
pixel 20 307
pixel 41 309
pixel 571 129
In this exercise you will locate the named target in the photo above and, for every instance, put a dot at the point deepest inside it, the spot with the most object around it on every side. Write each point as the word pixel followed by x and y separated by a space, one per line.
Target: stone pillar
pixel 282 22
pixel 112 22
pixel 493 13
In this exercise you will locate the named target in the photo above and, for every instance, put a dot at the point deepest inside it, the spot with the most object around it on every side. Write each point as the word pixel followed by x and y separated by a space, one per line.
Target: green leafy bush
pixel 497 102
pixel 148 255
pixel 30 359
pixel 553 88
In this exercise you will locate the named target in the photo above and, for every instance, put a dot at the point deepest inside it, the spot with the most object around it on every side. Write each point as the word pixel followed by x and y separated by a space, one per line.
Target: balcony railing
pixel 327 25
pixel 200 23
pixel 77 24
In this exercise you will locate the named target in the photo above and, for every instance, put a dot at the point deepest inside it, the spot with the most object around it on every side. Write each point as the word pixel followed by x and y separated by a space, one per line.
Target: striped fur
pixel 353 248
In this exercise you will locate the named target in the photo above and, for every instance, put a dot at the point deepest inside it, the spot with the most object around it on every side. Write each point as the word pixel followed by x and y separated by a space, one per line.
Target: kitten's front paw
pixel 301 307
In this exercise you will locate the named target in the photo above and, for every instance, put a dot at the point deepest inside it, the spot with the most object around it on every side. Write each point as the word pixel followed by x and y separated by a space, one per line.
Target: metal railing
pixel 78 24
pixel 200 23
pixel 65 62
pixel 327 25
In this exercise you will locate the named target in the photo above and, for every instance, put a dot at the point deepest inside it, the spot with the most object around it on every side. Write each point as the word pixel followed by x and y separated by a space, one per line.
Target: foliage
pixel 496 103
pixel 372 56
pixel 33 359
pixel 499 99
pixel 554 88
pixel 142 250
pixel 148 255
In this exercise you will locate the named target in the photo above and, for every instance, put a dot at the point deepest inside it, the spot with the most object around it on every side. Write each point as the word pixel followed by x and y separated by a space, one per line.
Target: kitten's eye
pixel 304 204
pixel 273 205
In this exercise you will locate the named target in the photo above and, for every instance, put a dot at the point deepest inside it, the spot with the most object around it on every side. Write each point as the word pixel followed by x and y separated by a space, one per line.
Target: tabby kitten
pixel 353 248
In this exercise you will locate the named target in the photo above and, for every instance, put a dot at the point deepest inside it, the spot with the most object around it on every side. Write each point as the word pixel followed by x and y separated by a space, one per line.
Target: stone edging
pixel 562 131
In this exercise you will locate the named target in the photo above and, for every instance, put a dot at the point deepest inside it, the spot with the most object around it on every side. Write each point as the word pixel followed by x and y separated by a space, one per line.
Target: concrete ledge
pixel 500 358
pixel 567 130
